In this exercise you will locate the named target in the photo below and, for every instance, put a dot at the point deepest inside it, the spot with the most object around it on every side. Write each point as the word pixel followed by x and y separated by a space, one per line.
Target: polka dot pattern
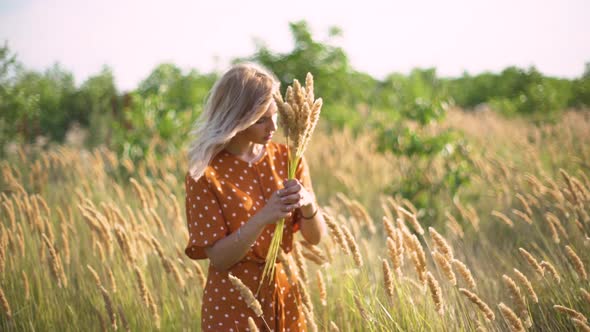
pixel 228 194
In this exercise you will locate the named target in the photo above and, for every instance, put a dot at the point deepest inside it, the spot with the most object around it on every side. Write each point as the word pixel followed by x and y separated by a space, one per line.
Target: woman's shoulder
pixel 202 179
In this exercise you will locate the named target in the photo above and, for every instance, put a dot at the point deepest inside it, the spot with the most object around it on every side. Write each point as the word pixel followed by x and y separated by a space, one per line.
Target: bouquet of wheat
pixel 298 116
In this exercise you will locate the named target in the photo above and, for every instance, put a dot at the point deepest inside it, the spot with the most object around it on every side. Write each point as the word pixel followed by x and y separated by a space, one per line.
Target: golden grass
pixel 247 294
pixel 91 212
pixel 483 307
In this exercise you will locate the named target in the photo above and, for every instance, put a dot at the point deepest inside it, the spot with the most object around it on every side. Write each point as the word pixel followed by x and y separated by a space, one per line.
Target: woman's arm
pixel 312 228
pixel 232 248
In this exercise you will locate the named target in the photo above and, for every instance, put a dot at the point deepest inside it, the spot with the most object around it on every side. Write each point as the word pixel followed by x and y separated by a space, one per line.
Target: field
pixel 92 242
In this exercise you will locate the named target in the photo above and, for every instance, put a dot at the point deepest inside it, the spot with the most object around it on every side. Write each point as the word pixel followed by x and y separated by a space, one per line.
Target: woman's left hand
pixel 295 192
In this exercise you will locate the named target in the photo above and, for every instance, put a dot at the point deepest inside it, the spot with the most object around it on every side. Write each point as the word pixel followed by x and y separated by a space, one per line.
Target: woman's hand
pixel 299 192
pixel 286 200
pixel 282 202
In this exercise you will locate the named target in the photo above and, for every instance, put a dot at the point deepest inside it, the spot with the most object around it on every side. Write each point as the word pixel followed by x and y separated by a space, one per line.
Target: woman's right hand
pixel 282 202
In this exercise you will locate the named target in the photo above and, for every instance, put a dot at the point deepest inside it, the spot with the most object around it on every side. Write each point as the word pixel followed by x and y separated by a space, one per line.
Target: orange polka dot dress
pixel 224 198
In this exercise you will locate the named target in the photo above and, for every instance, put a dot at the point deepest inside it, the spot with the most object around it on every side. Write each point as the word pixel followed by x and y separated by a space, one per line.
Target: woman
pixel 236 190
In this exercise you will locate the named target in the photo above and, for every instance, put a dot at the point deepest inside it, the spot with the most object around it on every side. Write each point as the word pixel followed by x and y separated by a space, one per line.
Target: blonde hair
pixel 237 100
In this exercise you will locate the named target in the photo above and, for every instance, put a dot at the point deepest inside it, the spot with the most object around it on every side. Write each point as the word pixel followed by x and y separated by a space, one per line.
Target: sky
pixel 379 37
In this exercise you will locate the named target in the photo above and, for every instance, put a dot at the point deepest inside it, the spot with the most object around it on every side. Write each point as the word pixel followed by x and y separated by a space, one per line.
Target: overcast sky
pixel 380 37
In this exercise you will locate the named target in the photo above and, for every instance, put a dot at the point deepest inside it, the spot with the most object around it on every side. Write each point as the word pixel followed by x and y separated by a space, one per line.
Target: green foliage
pixel 158 115
pixel 149 126
pixel 341 87
pixel 48 103
pixel 516 92
pixel 96 105
pixel 581 90
pixel 180 92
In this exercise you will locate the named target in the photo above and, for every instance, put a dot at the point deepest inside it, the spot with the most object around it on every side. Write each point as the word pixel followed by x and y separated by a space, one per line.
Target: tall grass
pixel 92 242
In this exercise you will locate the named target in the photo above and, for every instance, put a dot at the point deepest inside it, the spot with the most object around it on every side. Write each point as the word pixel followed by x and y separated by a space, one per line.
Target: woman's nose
pixel 273 125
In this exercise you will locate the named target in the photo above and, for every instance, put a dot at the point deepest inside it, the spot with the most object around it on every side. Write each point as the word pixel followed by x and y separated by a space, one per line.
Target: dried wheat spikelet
pixel 576 262
pixel 581 325
pixel 483 307
pixel 412 219
pixel 532 261
pixel 441 244
pixel 353 246
pixel 435 292
pixel 552 270
pixel 465 273
pixel 514 323
pixel 570 312
pixel 298 116
pixel 247 294
pixel 503 218
pixel 387 278
pixel 5 305
pixel 445 267
pixel 517 299
pixel 527 285
pixel 252 325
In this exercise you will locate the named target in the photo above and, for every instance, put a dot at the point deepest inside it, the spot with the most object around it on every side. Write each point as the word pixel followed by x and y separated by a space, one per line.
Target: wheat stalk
pixel 525 204
pixel 441 243
pixel 465 273
pixel 361 308
pixel 523 216
pixel 581 325
pixel 586 295
pixel 200 274
pixel 483 307
pixel 336 233
pixel 300 262
pixel 527 285
pixel 94 275
pixel 5 304
pixel 552 270
pixel 570 312
pixel 576 262
pixel 298 117
pixel 514 322
pixel 411 217
pixel 322 288
pixel 503 218
pixel 532 261
pixel 313 253
pixel 108 303
pixel 252 325
pixel 334 327
pixel 387 278
pixel 395 255
pixel 445 266
pixel 353 246
pixel 247 295
pixel 56 265
pixel 143 290
pixel 389 228
pixel 26 286
pixel 309 317
pixel 454 225
pixel 435 292
pixel 517 299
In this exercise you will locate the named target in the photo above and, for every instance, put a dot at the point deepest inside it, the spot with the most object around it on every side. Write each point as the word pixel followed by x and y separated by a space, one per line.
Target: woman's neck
pixel 244 150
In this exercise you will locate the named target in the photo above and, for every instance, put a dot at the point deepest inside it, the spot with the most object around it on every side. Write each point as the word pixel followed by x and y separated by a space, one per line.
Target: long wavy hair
pixel 237 100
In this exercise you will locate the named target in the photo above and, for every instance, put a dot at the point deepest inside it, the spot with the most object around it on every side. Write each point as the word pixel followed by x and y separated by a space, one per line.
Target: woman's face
pixel 263 129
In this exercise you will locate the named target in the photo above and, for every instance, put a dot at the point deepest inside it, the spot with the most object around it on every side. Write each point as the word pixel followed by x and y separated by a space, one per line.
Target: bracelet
pixel 313 215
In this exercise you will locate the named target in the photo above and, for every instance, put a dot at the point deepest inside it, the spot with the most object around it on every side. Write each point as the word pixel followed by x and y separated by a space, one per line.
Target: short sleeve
pixel 302 174
pixel 205 221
